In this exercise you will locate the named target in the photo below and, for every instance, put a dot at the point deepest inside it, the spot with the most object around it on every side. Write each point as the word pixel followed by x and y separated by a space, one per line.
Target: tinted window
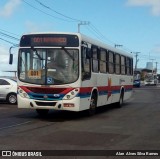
pixel 4 82
pixel 129 66
pixel 111 62
pixel 117 64
pixel 103 67
pixel 95 59
pixel 123 65
pixel 86 66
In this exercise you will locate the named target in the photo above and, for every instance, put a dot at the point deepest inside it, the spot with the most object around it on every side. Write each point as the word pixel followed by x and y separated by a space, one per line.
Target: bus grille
pixel 46 103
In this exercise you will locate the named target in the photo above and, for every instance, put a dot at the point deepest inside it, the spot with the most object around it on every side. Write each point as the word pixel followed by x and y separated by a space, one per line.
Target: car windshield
pixel 48 66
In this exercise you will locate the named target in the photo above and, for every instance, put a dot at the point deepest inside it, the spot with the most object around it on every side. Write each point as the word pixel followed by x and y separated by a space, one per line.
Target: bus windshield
pixel 48 66
pixel 149 77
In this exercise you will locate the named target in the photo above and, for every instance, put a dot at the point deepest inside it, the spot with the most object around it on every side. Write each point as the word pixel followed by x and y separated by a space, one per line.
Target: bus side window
pixel 123 65
pixel 129 66
pixel 111 62
pixel 95 60
pixel 103 62
pixel 117 64
pixel 86 63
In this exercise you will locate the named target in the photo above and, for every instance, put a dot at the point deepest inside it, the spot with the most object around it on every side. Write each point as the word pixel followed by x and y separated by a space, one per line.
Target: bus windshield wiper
pixel 35 50
pixel 68 53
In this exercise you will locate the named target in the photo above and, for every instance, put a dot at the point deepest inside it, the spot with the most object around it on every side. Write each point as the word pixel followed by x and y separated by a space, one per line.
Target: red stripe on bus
pixel 50 90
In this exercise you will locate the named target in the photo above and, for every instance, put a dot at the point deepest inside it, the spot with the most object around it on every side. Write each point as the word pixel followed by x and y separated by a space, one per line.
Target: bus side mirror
pixel 10 59
pixel 10 55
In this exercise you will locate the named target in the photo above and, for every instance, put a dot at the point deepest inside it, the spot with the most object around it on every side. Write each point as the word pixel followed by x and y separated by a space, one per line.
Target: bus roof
pixel 104 45
pixel 89 40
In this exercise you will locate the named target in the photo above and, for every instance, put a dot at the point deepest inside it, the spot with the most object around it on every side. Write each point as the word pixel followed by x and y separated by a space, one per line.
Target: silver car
pixel 8 90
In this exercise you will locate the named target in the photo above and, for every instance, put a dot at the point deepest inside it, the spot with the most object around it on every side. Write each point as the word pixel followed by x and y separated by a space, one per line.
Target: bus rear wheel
pixel 42 112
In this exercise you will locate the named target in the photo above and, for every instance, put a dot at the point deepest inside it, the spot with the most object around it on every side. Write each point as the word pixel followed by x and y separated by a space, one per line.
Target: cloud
pixel 154 5
pixel 8 9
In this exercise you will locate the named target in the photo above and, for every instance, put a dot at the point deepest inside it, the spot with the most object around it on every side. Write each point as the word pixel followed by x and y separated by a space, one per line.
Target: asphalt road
pixel 135 126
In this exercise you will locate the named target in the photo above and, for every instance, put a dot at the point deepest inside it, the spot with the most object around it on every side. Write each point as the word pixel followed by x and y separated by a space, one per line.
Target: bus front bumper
pixel 70 105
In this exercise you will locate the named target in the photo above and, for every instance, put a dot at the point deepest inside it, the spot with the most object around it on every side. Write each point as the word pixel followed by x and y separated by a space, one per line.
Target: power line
pixel 8 36
pixel 73 19
pixel 100 35
pixel 8 42
pixel 45 6
pixel 65 16
pixel 77 20
pixel 106 39
pixel 127 49
pixel 45 12
pixel 9 32
pixel 93 33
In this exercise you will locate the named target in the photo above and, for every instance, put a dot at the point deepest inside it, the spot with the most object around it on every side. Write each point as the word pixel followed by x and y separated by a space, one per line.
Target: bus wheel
pixel 42 112
pixel 120 103
pixel 93 105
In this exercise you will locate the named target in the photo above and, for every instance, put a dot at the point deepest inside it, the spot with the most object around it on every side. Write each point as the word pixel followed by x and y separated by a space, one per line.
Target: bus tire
pixel 42 112
pixel 93 105
pixel 120 103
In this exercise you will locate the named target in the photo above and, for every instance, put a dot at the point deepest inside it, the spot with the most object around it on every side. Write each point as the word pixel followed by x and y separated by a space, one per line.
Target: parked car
pixel 8 90
pixel 136 83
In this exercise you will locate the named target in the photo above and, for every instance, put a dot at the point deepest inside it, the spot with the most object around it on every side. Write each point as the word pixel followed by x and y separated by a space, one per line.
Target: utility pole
pixel 156 66
pixel 136 59
pixel 82 23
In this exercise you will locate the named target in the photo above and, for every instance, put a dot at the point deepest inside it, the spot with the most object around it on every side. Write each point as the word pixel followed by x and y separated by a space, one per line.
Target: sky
pixel 134 24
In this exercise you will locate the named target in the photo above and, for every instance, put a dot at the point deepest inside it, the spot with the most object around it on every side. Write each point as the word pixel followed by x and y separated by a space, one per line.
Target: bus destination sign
pixel 59 41
pixel 51 40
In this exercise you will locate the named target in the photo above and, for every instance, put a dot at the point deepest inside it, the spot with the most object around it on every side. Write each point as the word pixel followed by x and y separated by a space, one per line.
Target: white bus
pixel 70 71
pixel 151 79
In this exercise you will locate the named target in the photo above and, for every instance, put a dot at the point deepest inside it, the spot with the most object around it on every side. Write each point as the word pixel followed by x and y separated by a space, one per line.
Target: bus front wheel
pixel 120 103
pixel 93 105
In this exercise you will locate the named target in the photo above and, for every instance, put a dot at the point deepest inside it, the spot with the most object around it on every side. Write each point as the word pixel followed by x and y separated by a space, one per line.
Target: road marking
pixel 6 127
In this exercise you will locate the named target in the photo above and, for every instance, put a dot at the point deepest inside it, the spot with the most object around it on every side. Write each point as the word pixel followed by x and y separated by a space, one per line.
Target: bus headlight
pixel 71 94
pixel 22 93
